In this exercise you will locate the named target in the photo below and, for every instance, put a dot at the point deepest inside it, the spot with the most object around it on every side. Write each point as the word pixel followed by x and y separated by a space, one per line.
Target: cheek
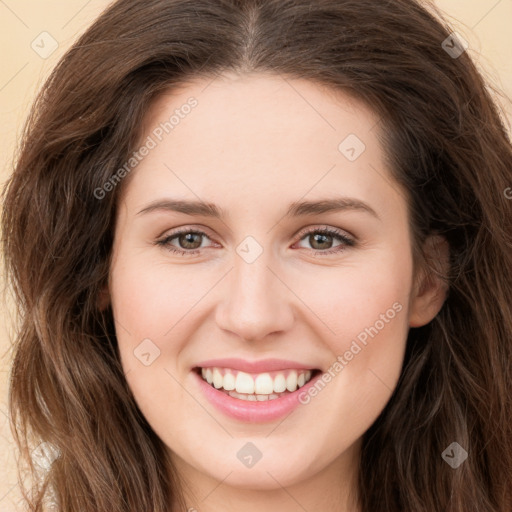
pixel 365 309
pixel 150 298
pixel 349 300
pixel 156 308
pixel 147 309
pixel 138 307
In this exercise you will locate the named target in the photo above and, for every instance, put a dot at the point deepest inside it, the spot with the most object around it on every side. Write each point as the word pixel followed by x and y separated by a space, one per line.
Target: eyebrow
pixel 296 209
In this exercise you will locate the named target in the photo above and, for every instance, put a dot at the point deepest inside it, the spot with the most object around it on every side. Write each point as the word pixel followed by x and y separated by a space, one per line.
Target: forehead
pixel 257 134
pixel 264 102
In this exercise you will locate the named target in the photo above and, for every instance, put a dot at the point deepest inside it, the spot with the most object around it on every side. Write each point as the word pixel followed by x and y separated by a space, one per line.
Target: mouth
pixel 256 387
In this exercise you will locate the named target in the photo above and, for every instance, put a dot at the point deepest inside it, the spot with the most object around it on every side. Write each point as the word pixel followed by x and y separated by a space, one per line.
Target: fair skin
pixel 253 145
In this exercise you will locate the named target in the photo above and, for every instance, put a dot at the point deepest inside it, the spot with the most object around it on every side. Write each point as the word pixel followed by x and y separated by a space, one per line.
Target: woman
pixel 249 370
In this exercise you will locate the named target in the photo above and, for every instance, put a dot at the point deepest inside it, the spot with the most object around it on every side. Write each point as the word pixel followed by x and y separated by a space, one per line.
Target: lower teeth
pixel 253 397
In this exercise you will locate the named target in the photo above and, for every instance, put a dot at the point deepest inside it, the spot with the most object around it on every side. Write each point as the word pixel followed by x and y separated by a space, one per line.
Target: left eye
pixel 190 241
pixel 325 236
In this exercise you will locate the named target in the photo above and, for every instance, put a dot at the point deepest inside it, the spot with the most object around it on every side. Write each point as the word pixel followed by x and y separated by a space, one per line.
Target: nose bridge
pixel 256 302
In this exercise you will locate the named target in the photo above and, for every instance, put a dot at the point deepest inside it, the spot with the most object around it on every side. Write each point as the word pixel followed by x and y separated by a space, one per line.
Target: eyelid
pixel 185 229
pixel 325 227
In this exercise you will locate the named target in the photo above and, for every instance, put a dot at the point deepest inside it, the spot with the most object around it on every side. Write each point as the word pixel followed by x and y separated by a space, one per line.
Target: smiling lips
pixel 254 392
pixel 255 380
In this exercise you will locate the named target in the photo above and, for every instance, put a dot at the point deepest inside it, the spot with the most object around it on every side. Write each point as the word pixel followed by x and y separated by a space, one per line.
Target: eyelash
pixel 347 242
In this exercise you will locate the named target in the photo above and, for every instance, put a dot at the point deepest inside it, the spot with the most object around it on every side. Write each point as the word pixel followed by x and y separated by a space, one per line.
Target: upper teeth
pixel 261 384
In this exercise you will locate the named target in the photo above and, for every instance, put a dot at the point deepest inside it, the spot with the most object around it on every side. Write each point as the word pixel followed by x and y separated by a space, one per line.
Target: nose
pixel 256 301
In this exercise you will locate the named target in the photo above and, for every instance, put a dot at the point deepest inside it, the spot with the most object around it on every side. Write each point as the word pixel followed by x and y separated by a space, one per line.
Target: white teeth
pixel 280 383
pixel 229 382
pixel 263 384
pixel 261 387
pixel 244 383
pixel 291 381
pixel 217 378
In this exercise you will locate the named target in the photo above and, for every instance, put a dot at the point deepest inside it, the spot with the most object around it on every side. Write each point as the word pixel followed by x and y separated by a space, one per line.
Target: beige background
pixel 485 24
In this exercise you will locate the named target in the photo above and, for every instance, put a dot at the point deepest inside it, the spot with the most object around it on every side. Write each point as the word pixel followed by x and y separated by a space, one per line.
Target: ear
pixel 430 290
pixel 103 299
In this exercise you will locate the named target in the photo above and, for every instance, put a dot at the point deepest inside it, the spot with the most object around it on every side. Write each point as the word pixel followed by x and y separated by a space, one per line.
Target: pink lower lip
pixel 253 412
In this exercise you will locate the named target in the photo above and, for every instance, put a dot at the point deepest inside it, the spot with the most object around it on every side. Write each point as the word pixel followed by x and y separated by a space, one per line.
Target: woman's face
pixel 259 293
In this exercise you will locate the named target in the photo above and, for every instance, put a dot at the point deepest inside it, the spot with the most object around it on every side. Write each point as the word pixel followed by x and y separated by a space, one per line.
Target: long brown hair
pixel 447 144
